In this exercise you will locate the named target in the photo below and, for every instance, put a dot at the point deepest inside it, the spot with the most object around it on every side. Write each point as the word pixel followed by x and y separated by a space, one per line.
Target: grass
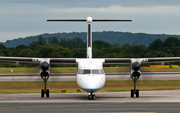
pixel 71 86
pixel 36 70
pixel 160 69
pixel 74 70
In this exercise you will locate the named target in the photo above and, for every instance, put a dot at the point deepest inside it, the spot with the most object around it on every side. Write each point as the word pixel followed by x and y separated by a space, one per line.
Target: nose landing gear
pixel 135 91
pixel 91 96
pixel 45 91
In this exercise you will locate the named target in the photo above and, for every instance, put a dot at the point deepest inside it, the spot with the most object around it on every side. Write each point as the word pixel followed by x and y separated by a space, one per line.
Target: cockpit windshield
pixel 95 71
pixel 86 71
pixel 90 71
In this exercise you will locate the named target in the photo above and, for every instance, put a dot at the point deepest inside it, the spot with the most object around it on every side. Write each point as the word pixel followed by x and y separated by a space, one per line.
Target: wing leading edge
pixel 38 60
pixel 143 60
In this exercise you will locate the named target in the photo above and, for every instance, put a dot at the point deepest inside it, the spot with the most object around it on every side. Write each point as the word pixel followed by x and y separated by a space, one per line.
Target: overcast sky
pixel 21 18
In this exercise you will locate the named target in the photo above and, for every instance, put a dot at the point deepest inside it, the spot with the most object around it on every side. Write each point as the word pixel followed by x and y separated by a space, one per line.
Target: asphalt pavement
pixel 149 101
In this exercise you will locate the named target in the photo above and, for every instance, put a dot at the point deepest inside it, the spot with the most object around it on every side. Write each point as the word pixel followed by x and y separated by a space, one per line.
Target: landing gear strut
pixel 44 91
pixel 134 91
pixel 91 96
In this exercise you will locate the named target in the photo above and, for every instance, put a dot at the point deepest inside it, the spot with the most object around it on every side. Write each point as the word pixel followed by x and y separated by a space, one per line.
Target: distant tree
pixel 2 47
pixel 6 52
pixel 50 40
pixel 44 41
pixel 21 47
pixel 63 42
pixel 139 51
pixel 115 48
pixel 78 41
pixel 25 53
pixel 172 46
pixel 55 40
pixel 156 44
pixel 100 44
pixel 34 44
pixel 40 40
pixel 126 45
pixel 80 52
pixel 171 42
pixel 161 54
pixel 112 55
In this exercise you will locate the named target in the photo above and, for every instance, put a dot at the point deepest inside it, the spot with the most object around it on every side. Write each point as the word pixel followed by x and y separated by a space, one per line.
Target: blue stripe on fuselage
pixel 90 90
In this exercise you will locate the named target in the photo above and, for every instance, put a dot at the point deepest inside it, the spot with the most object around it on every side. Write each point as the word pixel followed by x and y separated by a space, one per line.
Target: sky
pixel 22 18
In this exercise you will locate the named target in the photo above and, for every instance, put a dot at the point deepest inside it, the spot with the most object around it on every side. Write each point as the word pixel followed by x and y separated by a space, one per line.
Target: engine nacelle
pixel 44 69
pixel 136 66
pixel 135 69
pixel 44 66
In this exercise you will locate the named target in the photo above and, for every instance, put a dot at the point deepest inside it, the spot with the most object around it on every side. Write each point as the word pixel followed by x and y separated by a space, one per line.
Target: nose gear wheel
pixel 91 96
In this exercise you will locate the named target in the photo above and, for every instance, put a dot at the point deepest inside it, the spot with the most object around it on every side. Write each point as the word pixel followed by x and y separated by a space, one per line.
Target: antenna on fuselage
pixel 89 21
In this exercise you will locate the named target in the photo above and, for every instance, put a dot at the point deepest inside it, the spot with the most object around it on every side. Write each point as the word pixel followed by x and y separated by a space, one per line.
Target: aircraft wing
pixel 165 59
pixel 117 60
pixel 37 60
pixel 17 59
pixel 73 60
pixel 142 60
pixel 63 60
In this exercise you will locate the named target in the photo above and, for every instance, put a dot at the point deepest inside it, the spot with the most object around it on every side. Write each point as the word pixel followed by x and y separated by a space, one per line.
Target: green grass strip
pixel 71 86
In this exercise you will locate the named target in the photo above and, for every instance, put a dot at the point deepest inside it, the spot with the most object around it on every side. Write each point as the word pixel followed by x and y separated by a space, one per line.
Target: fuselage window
pixel 95 71
pixel 87 71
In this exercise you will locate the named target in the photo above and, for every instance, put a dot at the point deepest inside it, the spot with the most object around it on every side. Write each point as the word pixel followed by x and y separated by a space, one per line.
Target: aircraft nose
pixel 91 83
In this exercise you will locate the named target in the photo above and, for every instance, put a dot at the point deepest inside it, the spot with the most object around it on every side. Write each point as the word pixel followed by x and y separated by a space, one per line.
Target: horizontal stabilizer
pixel 67 20
pixel 84 20
pixel 109 20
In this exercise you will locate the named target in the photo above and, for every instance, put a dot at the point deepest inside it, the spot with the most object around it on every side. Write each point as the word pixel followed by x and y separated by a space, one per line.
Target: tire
pixel 137 93
pixel 93 97
pixel 47 93
pixel 89 97
pixel 42 93
pixel 132 93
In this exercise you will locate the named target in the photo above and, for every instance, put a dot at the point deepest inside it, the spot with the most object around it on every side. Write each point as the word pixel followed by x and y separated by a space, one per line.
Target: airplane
pixel 90 75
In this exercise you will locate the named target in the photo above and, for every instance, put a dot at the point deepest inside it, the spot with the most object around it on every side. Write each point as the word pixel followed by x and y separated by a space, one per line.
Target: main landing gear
pixel 45 91
pixel 91 96
pixel 134 91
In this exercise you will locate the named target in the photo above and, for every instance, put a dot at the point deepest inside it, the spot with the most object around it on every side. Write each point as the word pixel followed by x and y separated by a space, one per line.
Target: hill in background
pixel 107 36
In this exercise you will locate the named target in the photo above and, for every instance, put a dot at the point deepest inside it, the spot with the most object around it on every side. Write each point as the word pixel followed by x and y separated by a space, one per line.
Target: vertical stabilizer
pixel 89 37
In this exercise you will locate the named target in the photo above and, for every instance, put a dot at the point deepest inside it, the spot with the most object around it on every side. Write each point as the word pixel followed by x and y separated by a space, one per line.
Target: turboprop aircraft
pixel 90 74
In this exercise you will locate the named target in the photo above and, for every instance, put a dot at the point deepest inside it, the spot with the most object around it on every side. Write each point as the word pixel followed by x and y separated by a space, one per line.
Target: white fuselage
pixel 90 75
pixel 91 82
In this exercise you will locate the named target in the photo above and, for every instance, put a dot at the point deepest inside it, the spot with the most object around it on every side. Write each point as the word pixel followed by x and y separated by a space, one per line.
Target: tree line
pixel 76 48
pixel 64 42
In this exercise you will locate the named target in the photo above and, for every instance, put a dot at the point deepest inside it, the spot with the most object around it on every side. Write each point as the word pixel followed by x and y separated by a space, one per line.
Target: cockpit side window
pixel 101 71
pixel 80 71
pixel 87 71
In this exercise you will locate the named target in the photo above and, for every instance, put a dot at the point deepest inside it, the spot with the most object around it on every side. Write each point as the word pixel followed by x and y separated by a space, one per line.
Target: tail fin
pixel 89 21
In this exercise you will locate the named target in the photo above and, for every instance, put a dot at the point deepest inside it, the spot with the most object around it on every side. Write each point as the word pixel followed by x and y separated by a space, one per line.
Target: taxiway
pixel 149 101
